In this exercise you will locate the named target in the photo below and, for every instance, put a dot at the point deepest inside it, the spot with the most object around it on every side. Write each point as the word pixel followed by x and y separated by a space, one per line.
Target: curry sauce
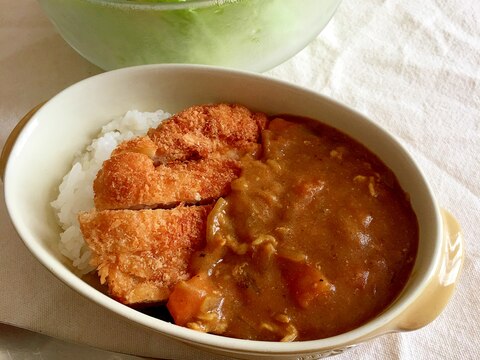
pixel 315 238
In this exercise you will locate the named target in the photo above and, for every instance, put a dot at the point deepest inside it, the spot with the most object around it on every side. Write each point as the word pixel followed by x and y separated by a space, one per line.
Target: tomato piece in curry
pixel 315 238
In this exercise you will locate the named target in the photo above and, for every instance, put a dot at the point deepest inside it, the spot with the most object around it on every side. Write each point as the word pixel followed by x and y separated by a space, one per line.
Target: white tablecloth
pixel 412 66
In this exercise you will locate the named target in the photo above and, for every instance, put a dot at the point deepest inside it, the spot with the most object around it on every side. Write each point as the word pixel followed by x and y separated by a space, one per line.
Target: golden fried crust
pixel 190 158
pixel 130 181
pixel 142 145
pixel 141 254
pixel 201 130
pixel 197 151
pixel 124 179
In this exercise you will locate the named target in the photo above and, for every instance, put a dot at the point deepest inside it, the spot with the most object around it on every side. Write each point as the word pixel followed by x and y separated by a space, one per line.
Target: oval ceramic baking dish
pixel 70 119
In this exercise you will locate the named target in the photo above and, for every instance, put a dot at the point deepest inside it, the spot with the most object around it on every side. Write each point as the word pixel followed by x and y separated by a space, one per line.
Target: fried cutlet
pixel 201 130
pixel 131 181
pixel 141 254
pixel 191 158
pixel 142 145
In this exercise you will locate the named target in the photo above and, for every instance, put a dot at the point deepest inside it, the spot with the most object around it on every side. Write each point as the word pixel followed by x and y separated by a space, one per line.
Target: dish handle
pixel 7 148
pixel 438 292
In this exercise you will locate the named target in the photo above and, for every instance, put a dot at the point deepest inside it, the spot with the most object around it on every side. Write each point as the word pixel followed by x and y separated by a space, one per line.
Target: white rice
pixel 76 189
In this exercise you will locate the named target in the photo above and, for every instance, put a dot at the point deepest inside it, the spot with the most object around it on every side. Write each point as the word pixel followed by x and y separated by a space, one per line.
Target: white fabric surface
pixel 412 66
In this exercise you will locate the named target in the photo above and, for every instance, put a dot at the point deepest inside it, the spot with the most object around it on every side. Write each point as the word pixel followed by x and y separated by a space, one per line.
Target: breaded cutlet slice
pixel 142 254
pixel 199 149
pixel 145 145
pixel 201 130
pixel 142 145
pixel 130 180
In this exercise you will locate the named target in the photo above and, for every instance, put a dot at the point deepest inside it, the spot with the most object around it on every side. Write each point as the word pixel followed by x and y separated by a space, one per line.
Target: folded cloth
pixel 412 66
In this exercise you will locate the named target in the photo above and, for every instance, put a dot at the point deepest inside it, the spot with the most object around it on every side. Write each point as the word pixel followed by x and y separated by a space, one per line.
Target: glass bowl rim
pixel 181 5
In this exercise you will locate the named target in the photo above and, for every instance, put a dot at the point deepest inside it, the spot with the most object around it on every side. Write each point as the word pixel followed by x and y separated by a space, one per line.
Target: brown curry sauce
pixel 315 239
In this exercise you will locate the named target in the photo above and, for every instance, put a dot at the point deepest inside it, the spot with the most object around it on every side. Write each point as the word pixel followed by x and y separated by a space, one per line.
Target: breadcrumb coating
pixel 201 130
pixel 141 249
pixel 141 254
pixel 131 181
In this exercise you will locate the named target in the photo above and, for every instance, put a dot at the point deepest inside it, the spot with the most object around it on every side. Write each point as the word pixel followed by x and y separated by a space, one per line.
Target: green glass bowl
pixel 253 35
